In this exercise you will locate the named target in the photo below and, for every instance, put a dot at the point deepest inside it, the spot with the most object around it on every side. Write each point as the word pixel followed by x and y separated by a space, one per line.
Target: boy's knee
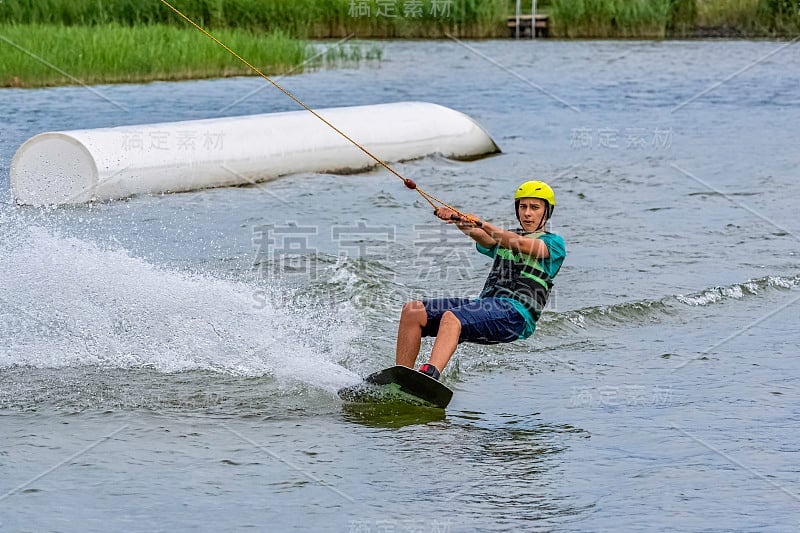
pixel 414 311
pixel 451 319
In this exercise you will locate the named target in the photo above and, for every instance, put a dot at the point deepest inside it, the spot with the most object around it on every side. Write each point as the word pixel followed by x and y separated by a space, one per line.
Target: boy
pixel 525 263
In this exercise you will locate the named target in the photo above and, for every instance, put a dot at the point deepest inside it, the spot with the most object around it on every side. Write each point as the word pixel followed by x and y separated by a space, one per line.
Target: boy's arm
pixel 487 235
pixel 516 243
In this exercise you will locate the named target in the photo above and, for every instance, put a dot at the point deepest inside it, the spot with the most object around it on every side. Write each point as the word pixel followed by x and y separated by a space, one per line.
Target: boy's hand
pixel 446 214
pixel 451 217
pixel 470 221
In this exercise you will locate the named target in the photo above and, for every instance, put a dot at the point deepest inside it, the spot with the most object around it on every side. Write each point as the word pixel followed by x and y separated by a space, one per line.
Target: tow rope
pixel 406 181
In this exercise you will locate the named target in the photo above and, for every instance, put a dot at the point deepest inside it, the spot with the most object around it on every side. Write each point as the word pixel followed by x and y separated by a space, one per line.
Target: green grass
pixel 662 18
pixel 114 54
pixel 737 13
pixel 610 18
pixel 781 16
pixel 298 18
pixel 751 17
pixel 310 19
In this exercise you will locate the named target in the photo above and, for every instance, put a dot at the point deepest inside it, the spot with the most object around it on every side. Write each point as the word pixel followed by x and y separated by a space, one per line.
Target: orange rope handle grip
pixel 460 215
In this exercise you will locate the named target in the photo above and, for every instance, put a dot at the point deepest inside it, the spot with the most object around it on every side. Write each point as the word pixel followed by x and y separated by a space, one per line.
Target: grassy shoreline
pixel 118 41
pixel 304 19
pixel 125 54
pixel 324 19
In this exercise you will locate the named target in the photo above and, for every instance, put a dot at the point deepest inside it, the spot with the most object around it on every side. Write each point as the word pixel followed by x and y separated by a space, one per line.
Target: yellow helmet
pixel 536 189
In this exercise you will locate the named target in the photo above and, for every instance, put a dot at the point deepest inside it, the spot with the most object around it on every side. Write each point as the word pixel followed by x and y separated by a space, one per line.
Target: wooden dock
pixel 526 26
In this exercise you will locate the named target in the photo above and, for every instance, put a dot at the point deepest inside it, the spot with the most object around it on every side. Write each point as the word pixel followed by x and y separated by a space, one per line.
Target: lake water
pixel 171 362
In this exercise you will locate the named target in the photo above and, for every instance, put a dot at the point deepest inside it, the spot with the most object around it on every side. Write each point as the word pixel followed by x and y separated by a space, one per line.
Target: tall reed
pixel 740 14
pixel 610 18
pixel 298 18
pixel 749 18
pixel 660 18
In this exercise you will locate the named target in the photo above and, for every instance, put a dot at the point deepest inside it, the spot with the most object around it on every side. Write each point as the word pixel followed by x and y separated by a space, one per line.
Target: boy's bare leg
pixel 409 333
pixel 446 341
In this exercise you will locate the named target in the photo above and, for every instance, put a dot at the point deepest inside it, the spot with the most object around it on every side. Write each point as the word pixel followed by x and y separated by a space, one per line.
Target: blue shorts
pixel 484 320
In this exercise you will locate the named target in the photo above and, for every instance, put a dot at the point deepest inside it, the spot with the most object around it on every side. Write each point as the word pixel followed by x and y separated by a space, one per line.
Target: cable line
pixel 406 181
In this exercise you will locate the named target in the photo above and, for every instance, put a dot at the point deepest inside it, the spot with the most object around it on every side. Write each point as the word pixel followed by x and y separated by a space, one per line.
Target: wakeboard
pixel 399 383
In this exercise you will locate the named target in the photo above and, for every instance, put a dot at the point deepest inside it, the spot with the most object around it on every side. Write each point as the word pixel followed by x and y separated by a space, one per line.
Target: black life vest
pixel 519 277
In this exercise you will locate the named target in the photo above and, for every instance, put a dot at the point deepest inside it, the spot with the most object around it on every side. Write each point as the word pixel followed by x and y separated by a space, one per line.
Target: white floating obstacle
pixel 70 167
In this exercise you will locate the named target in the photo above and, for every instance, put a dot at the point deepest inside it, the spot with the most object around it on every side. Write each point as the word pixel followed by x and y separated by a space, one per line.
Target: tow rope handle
pixel 476 223
pixel 465 218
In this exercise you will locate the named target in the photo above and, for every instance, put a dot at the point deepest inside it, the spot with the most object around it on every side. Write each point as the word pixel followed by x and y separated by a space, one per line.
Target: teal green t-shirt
pixel 551 265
